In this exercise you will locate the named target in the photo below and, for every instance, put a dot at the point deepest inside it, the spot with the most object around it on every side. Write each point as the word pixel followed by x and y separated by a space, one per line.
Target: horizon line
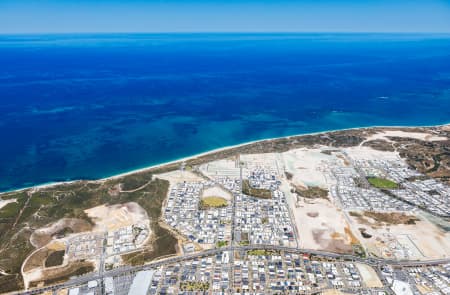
pixel 225 33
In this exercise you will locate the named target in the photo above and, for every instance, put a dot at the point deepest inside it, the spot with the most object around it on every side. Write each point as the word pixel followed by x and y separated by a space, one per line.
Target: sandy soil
pixel 216 191
pixel 270 161
pixel 56 246
pixel 37 258
pixel 108 218
pixel 367 153
pixel 31 276
pixel 51 273
pixel 321 226
pixel 179 176
pixel 369 276
pixel 225 167
pixel 398 133
pixel 33 266
pixel 435 245
pixel 303 164
pixel 42 236
pixel 3 203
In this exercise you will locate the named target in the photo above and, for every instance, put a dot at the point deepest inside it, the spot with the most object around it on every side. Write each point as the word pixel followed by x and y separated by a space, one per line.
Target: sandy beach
pixel 181 160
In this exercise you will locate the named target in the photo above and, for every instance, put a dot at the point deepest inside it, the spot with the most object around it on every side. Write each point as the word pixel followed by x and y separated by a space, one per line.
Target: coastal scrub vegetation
pixel 135 181
pixel 255 192
pixel 312 192
pixel 392 217
pixel 384 217
pixel 35 209
pixel 212 202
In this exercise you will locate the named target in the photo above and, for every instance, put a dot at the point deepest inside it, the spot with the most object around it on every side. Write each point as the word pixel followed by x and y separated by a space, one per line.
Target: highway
pixel 131 269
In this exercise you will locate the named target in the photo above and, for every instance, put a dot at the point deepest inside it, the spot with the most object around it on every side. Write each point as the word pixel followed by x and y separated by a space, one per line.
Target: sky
pixel 83 16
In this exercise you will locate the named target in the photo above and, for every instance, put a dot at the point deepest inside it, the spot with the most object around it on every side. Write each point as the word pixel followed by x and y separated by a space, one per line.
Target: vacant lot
pixel 369 276
pixel 322 226
pixel 62 274
pixel 385 231
pixel 113 217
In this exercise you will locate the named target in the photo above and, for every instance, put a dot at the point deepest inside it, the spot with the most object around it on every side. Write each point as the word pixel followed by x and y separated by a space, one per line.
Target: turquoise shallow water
pixel 91 106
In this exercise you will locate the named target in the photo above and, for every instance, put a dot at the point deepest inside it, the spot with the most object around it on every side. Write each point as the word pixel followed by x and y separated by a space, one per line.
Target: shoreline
pixel 180 160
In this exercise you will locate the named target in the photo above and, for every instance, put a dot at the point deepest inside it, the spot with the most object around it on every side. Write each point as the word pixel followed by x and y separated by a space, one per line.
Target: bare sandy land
pixel 424 239
pixel 403 134
pixel 369 276
pixel 303 164
pixel 33 275
pixel 321 226
pixel 179 176
pixel 398 133
pixel 56 245
pixel 216 191
pixel 368 153
pixel 113 217
pixel 38 257
pixel 37 267
pixel 269 161
pixel 221 168
pixel 42 236
pixel 3 203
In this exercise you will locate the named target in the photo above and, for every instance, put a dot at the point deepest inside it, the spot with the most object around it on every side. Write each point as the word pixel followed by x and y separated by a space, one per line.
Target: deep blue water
pixel 90 106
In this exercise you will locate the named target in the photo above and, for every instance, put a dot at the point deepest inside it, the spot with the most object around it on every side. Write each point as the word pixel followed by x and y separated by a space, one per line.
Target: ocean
pixel 91 106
